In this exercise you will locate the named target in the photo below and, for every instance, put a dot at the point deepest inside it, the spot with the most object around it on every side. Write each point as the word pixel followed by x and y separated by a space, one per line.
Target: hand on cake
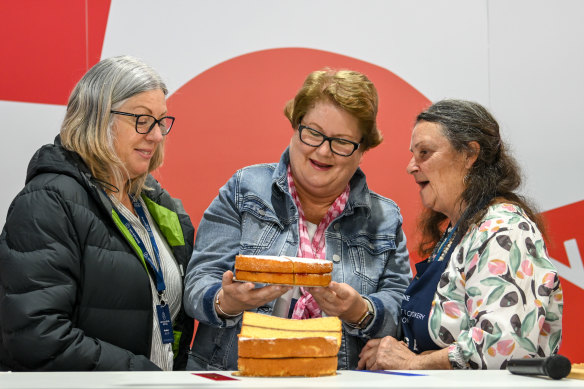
pixel 340 299
pixel 236 297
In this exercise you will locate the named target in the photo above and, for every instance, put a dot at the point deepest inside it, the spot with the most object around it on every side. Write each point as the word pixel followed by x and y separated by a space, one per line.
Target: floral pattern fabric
pixel 500 297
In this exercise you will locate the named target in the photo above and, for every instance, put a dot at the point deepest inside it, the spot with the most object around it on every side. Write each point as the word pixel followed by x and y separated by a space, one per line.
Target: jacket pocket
pixel 259 227
pixel 369 256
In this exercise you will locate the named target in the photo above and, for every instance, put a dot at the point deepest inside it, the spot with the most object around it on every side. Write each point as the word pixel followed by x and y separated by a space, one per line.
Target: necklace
pixel 445 245
pixel 443 253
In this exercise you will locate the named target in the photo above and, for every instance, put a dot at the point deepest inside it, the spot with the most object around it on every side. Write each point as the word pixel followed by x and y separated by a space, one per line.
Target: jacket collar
pixel 169 215
pixel 54 158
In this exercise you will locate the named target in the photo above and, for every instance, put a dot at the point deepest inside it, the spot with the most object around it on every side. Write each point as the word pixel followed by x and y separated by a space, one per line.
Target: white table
pixel 499 379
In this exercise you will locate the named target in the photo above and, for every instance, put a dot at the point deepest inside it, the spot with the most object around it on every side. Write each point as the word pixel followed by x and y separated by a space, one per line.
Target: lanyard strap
pixel 160 286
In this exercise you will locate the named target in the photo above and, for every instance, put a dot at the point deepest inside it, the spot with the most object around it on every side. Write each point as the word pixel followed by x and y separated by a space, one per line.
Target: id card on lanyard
pixel 162 309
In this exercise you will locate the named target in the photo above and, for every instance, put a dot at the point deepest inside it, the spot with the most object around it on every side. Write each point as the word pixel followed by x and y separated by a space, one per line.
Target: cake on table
pixel 271 269
pixel 270 346
pixel 577 371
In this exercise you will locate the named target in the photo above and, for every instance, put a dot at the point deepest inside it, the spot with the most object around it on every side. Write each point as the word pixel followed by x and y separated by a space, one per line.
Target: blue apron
pixel 418 299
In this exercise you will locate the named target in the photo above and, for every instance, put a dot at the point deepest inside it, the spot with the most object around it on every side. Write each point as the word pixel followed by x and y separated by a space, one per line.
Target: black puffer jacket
pixel 74 295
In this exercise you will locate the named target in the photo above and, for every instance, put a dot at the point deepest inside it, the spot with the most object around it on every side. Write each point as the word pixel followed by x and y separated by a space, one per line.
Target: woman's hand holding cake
pixel 340 299
pixel 236 297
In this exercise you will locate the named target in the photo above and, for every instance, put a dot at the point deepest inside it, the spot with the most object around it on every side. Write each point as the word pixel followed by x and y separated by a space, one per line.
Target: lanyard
pixel 160 286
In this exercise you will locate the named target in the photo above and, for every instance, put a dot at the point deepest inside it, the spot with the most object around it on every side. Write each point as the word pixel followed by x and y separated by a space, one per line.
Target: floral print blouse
pixel 500 296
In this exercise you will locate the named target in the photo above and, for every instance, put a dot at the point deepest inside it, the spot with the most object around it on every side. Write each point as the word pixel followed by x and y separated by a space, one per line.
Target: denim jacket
pixel 254 214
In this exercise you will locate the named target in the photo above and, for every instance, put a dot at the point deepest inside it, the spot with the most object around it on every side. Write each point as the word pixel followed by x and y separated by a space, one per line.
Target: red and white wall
pixel 231 66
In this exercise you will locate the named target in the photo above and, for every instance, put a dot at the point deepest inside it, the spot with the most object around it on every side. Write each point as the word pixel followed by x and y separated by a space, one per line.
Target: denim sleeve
pixel 390 293
pixel 216 245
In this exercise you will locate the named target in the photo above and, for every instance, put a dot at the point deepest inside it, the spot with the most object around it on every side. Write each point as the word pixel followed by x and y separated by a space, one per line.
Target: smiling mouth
pixel 320 165
pixel 145 153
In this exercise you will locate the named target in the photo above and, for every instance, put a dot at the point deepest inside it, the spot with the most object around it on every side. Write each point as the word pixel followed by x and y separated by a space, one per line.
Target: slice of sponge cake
pixel 283 270
pixel 287 367
pixel 256 325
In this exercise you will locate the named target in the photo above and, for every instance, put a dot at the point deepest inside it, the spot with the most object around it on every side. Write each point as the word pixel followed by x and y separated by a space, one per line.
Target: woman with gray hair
pixel 93 250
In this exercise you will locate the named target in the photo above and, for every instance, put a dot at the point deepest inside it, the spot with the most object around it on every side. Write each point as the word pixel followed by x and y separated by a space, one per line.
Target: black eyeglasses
pixel 145 123
pixel 311 137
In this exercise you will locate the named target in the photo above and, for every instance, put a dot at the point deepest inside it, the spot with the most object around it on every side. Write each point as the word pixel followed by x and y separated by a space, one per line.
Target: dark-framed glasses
pixel 311 137
pixel 145 123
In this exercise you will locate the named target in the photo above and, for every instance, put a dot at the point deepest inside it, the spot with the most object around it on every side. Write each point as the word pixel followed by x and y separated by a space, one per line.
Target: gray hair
pixel 87 127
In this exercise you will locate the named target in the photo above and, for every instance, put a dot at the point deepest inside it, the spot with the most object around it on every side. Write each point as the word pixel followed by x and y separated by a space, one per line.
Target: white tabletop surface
pixel 499 379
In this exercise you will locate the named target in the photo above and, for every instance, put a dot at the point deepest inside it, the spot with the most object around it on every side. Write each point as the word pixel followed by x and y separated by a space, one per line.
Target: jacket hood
pixel 53 158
